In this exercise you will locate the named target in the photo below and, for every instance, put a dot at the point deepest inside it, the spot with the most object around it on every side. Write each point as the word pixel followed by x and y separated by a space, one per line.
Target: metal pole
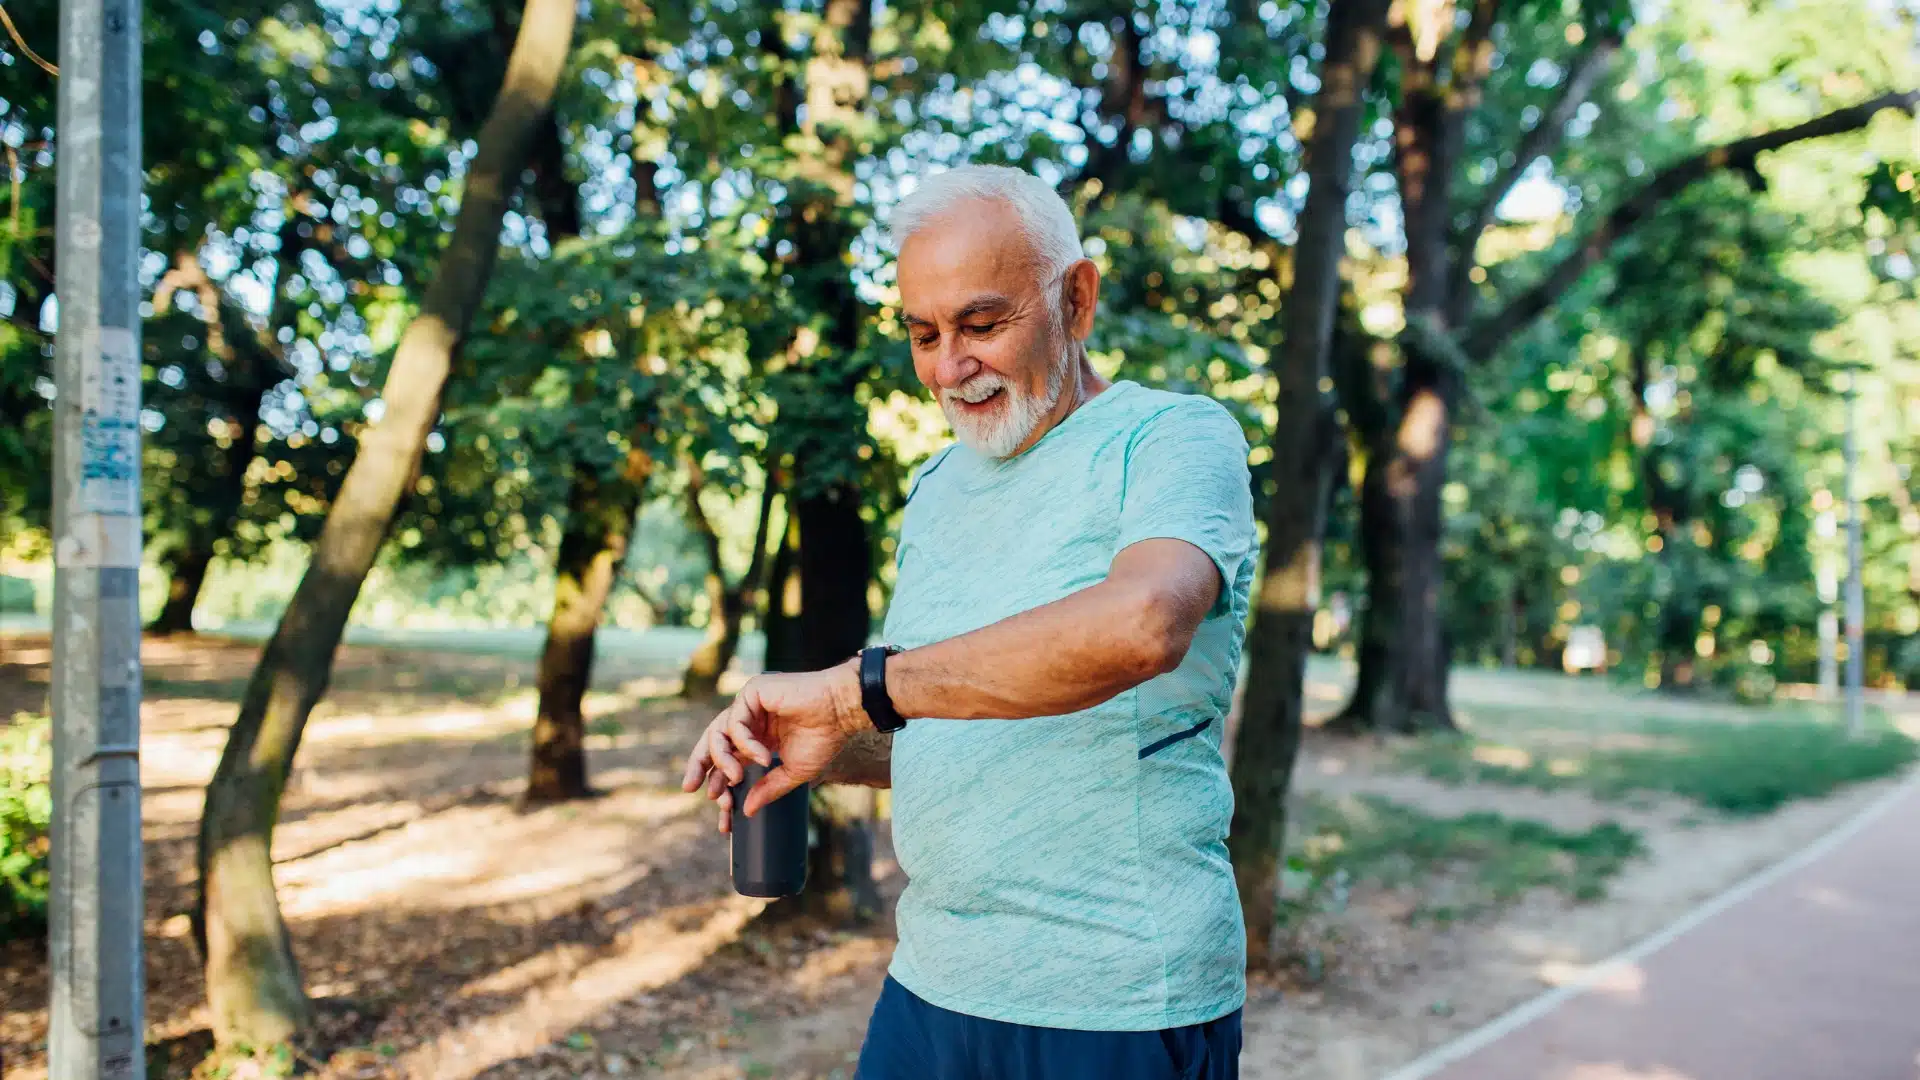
pixel 1856 602
pixel 1829 628
pixel 98 1016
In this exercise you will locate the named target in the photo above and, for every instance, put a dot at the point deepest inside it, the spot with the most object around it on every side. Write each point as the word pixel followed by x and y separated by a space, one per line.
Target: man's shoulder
pixel 1170 413
pixel 928 467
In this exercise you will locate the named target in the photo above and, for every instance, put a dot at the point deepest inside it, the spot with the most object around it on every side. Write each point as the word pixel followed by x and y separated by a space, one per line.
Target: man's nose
pixel 956 364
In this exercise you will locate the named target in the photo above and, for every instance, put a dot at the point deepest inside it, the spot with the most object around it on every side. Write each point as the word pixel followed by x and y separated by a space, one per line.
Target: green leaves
pixel 26 810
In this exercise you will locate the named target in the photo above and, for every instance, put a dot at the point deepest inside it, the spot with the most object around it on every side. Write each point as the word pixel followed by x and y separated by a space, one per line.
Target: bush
pixel 17 595
pixel 26 809
pixel 1906 662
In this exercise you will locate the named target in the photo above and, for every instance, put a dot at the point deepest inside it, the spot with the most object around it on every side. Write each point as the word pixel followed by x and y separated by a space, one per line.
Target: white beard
pixel 999 433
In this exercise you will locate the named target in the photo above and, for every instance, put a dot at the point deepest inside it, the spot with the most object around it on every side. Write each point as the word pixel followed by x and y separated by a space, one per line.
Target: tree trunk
pixel 186 574
pixel 835 567
pixel 1305 440
pixel 781 622
pixel 247 365
pixel 600 514
pixel 1402 681
pixel 830 571
pixel 1402 684
pixel 188 566
pixel 816 617
pixel 726 604
pixel 253 984
pixel 840 867
pixel 710 659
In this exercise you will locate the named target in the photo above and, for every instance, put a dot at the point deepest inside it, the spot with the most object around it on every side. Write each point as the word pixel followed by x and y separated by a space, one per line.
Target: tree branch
pixel 756 565
pixel 1543 138
pixel 1489 335
pixel 697 517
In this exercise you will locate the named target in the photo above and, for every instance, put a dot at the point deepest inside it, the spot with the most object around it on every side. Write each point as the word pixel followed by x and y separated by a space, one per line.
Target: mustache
pixel 976 389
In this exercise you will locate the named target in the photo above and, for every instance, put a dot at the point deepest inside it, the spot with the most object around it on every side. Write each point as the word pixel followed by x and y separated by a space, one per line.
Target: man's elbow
pixel 1162 632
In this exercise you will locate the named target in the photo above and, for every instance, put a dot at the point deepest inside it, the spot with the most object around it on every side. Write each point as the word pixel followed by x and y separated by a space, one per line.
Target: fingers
pixel 724 759
pixel 698 763
pixel 716 762
pixel 771 786
pixel 742 737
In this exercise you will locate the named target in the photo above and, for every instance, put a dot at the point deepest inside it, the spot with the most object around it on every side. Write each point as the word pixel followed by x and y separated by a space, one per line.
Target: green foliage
pixel 1370 838
pixel 17 595
pixel 611 356
pixel 1736 768
pixel 26 813
pixel 242 1062
pixel 313 156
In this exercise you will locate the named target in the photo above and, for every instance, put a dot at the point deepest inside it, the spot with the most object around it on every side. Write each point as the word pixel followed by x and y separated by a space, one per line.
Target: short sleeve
pixel 1187 479
pixel 926 469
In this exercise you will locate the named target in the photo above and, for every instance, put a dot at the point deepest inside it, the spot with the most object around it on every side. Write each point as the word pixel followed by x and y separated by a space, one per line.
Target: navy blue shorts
pixel 909 1039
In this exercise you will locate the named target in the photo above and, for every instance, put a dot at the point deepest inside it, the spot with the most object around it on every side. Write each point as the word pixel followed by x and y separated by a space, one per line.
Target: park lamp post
pixel 97 1015
pixel 1855 592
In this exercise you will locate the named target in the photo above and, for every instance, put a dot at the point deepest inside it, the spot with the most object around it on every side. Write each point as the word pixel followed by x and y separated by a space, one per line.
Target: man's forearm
pixel 1068 655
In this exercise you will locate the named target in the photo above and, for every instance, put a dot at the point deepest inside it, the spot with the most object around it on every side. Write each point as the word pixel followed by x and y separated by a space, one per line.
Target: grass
pixel 1743 769
pixel 1482 859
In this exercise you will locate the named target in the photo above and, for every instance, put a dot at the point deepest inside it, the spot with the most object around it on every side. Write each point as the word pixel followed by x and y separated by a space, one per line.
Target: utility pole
pixel 98 1020
pixel 1856 600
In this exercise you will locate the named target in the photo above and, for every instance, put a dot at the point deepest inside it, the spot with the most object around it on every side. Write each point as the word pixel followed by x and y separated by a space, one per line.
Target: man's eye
pixel 983 328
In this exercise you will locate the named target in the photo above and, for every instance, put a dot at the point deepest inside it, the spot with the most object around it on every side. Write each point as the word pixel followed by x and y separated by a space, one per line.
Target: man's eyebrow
pixel 915 320
pixel 982 305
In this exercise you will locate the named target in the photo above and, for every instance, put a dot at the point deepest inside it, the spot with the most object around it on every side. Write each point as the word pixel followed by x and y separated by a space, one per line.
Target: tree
pixel 253 984
pixel 611 362
pixel 203 493
pixel 1403 658
pixel 1719 364
pixel 270 247
pixel 1305 437
pixel 831 562
pixel 727 600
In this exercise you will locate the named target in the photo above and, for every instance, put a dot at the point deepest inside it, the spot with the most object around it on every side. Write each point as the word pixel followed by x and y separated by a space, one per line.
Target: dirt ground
pixel 445 934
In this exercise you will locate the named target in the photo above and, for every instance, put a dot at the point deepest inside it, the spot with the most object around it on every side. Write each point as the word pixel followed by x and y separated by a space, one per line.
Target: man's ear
pixel 1082 285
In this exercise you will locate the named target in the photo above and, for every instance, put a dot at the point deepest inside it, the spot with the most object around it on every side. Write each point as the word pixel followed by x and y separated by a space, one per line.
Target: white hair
pixel 1045 220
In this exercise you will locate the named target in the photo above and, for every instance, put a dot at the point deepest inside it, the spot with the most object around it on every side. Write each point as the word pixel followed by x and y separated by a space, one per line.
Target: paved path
pixel 1813 976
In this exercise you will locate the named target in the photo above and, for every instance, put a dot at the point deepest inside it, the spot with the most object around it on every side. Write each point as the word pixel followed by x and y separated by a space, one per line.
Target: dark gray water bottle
pixel 769 848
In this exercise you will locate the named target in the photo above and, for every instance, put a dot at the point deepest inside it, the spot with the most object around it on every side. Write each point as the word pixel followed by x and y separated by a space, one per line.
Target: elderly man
pixel 1072 596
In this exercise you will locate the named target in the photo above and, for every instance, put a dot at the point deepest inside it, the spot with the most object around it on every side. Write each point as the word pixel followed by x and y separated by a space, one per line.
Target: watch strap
pixel 873 689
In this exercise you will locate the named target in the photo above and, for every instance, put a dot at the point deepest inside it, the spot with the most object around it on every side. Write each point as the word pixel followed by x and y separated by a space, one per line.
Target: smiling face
pixel 986 340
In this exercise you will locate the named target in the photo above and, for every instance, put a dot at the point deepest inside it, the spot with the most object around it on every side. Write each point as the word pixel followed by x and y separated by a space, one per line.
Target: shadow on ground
pixel 441 930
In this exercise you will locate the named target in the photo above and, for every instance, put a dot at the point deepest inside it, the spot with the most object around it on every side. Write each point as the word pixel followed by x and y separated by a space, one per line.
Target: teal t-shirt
pixel 1071 871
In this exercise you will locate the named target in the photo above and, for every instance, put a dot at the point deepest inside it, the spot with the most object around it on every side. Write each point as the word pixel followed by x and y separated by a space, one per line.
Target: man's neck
pixel 1083 384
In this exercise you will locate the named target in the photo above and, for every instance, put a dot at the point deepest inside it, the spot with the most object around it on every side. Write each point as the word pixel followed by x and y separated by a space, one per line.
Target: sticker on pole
pixel 110 428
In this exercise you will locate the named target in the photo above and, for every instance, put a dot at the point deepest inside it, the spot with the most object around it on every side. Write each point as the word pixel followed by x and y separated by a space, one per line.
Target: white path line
pixel 1526 1013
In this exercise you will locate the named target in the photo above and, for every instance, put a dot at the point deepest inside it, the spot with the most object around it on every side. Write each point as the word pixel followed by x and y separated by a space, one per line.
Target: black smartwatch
pixel 873 689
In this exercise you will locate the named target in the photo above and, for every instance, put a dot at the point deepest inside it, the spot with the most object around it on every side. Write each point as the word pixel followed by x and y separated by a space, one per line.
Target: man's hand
pixel 805 718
